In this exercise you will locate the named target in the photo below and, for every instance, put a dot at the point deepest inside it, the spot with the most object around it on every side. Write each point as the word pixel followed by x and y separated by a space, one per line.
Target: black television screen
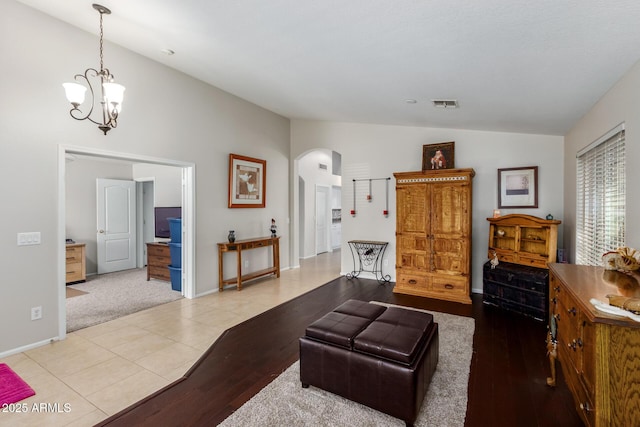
pixel 162 224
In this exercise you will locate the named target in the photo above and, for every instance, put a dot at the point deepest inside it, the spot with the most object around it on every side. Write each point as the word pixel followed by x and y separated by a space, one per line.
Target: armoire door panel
pixel 450 209
pixel 449 256
pixel 412 215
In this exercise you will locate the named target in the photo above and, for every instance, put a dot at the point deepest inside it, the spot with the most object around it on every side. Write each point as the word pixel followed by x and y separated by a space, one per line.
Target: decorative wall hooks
pixel 369 196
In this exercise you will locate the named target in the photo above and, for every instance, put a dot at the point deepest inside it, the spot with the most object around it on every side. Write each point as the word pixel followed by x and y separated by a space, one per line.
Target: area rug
pixel 12 388
pixel 285 402
pixel 113 295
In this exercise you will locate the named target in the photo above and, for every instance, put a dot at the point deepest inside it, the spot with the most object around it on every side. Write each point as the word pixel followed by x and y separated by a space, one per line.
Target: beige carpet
pixel 285 403
pixel 110 296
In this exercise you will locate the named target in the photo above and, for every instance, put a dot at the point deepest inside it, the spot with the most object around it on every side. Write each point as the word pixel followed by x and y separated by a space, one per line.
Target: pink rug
pixel 12 388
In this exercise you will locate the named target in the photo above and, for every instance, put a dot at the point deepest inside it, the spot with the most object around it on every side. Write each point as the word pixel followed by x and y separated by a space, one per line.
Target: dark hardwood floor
pixel 507 382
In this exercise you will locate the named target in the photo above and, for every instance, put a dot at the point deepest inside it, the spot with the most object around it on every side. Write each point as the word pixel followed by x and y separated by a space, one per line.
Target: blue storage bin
pixel 176 278
pixel 175 229
pixel 175 249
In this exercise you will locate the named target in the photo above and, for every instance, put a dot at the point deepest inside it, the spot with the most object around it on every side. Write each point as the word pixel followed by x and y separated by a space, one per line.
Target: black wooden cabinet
pixel 517 288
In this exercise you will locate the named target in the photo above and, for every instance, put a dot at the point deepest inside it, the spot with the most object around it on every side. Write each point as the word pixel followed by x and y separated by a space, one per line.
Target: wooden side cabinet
pixel 158 261
pixel 76 266
pixel 433 234
pixel 599 353
pixel 523 239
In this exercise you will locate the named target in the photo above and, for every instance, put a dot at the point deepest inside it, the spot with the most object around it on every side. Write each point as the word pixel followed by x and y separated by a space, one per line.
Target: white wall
pixel 190 122
pixel 620 104
pixel 313 175
pixel 377 151
pixel 167 182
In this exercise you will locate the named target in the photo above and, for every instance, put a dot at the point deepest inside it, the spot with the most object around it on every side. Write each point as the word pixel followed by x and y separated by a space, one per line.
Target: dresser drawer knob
pixel 413 281
pixel 575 344
pixel 571 310
pixel 586 407
pixel 448 286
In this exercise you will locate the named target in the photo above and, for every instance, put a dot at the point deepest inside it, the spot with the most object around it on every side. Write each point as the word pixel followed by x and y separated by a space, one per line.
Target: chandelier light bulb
pixel 75 93
pixel 113 95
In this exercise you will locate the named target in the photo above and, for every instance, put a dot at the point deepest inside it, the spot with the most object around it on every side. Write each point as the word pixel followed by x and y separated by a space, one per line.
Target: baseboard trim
pixel 27 347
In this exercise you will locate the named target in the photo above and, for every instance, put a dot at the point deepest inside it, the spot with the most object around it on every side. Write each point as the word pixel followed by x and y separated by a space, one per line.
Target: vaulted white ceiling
pixel 513 65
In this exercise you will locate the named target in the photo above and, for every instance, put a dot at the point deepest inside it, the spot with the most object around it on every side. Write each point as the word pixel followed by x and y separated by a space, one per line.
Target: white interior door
pixel 322 219
pixel 116 234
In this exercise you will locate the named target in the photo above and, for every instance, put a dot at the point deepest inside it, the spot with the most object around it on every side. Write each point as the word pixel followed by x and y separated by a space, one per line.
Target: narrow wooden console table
pixel 242 245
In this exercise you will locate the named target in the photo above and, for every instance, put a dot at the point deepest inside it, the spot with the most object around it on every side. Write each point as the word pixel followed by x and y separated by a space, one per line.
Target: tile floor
pixel 100 370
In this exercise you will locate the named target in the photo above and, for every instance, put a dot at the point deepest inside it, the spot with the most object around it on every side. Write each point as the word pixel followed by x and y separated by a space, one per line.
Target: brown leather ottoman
pixel 380 357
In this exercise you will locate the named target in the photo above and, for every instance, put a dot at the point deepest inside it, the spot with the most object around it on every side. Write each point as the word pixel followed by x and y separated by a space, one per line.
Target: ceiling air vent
pixel 322 166
pixel 445 103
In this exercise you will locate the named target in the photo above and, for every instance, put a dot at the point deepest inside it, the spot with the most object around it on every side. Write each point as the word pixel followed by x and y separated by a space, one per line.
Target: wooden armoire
pixel 433 234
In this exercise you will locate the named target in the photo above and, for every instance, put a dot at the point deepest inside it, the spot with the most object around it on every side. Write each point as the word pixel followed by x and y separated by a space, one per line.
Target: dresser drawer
pixel 412 280
pixel 503 257
pixel 158 250
pixel 158 272
pixel 74 254
pixel 451 285
pixel 532 260
pixel 75 272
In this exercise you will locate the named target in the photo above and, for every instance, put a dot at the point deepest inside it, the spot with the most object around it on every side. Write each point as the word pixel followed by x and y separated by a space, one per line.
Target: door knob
pixel 101 231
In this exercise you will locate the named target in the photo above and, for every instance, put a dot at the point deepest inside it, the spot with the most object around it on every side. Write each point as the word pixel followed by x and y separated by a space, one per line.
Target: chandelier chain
pixel 101 54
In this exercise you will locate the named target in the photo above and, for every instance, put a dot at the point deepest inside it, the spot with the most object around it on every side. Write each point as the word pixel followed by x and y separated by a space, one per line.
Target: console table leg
pixel 239 282
pixel 220 284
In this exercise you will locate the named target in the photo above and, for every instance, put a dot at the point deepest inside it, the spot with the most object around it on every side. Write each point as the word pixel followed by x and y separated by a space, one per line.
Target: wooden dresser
pixel 158 260
pixel 433 234
pixel 599 353
pixel 76 266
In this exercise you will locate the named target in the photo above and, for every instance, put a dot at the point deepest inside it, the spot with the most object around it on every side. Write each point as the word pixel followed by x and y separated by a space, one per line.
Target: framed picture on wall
pixel 438 156
pixel 518 187
pixel 247 182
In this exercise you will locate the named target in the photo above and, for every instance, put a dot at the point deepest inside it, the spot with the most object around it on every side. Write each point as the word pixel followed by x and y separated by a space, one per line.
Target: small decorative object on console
pixel 626 303
pixel 231 236
pixel 273 227
pixel 622 259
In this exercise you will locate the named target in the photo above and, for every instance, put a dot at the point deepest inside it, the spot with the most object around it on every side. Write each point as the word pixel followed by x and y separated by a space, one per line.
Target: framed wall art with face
pixel 438 156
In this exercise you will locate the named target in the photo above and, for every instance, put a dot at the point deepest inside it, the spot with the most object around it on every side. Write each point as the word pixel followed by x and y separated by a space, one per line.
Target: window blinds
pixel 600 211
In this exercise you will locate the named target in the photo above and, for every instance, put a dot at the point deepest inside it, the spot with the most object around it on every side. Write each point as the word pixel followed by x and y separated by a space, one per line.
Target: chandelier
pixel 111 94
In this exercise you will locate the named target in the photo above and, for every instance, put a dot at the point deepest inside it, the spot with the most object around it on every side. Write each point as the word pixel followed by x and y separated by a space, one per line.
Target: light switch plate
pixel 31 238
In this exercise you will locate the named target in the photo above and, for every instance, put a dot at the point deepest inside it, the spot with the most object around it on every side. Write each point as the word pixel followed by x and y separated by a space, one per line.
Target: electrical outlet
pixel 36 313
pixel 246 263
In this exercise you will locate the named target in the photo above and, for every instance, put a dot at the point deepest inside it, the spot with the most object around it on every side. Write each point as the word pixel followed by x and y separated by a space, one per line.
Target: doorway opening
pixel 187 172
pixel 317 204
